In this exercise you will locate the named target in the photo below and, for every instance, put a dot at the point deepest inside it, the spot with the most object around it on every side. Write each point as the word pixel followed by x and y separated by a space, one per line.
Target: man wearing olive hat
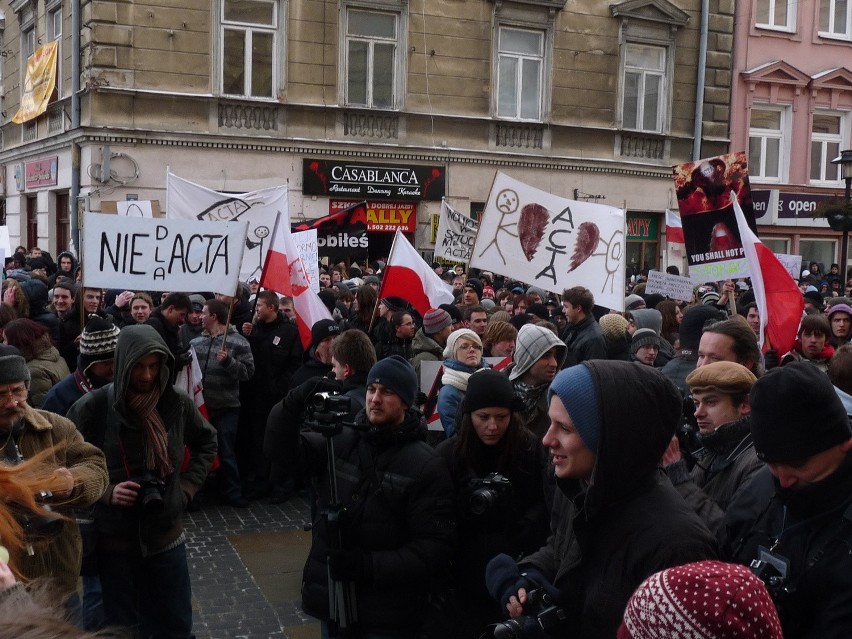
pixel 795 516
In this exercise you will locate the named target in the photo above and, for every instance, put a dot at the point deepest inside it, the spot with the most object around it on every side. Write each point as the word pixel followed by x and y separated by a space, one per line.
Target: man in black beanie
pixel 398 532
pixel 685 360
pixel 793 522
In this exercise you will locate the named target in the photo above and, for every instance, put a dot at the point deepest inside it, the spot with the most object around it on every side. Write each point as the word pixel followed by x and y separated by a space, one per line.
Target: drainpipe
pixel 698 131
pixel 75 124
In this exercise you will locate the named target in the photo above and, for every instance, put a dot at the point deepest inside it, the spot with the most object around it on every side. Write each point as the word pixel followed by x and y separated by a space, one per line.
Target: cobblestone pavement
pixel 246 567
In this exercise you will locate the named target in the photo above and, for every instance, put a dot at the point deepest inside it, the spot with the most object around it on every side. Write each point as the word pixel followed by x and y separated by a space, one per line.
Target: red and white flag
pixel 284 273
pixel 779 300
pixel 408 276
pixel 189 381
pixel 674 229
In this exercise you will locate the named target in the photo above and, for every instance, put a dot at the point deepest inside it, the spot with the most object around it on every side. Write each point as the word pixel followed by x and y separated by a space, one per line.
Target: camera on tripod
pixel 326 412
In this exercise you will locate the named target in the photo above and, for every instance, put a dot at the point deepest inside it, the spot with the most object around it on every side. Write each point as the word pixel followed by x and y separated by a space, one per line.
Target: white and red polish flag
pixel 284 273
pixel 674 229
pixel 408 276
pixel 779 300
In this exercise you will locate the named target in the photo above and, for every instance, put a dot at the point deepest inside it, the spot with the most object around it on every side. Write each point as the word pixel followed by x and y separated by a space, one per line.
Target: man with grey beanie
pixel 26 432
pixel 399 531
pixel 537 358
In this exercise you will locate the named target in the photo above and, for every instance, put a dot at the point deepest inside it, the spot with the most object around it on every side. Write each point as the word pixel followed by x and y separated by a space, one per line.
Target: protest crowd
pixel 513 462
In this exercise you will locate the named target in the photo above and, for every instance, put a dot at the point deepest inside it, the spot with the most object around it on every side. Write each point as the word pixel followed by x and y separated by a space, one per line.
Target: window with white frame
pixel 826 142
pixel 520 65
pixel 54 32
pixel 776 14
pixel 835 18
pixel 249 34
pixel 766 143
pixel 371 58
pixel 644 87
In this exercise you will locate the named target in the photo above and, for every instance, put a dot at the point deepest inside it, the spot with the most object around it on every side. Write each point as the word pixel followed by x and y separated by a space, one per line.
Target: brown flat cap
pixel 724 377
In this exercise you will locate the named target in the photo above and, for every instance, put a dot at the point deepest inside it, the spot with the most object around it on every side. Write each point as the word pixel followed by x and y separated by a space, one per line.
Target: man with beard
pixel 726 460
pixel 399 530
pixel 537 358
pixel 793 522
pixel 143 426
pixel 27 432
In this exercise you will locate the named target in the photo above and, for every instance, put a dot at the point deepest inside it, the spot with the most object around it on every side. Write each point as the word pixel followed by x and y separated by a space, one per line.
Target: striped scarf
pixel 156 442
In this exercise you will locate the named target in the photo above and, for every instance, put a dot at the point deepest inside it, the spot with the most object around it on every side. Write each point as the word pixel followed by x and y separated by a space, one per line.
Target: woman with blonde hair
pixel 47 367
pixel 14 296
pixel 499 339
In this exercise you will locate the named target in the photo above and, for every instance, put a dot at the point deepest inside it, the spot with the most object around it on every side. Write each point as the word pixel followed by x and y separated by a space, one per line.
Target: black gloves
pixel 503 578
pixel 770 359
pixel 182 358
pixel 350 565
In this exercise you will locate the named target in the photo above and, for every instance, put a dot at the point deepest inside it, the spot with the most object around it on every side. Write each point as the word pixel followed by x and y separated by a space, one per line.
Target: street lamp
pixel 843 222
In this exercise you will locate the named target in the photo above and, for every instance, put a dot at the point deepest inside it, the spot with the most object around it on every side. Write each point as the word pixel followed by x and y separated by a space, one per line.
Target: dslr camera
pixel 488 491
pixel 152 489
pixel 326 412
pixel 771 578
pixel 540 610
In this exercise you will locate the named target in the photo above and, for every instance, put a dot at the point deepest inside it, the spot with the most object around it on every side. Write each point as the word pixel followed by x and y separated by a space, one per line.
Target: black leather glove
pixel 770 359
pixel 182 358
pixel 350 565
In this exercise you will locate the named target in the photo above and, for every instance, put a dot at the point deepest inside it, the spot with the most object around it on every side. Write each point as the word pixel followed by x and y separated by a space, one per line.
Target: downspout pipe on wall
pixel 698 130
pixel 75 124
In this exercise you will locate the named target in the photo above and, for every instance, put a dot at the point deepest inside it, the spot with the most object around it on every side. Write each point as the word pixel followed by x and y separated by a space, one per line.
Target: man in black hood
pixel 617 519
pixel 143 426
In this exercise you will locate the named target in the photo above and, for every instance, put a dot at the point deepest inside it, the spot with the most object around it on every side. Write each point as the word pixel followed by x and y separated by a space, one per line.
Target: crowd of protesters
pixel 519 457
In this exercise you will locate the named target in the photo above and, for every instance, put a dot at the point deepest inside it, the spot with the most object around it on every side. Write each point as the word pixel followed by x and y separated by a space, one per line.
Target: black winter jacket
pixel 813 527
pixel 585 340
pixel 628 522
pixel 399 514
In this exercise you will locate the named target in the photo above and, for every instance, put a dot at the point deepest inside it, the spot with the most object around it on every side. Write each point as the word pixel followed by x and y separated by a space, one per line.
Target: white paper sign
pixel 4 241
pixel 676 287
pixel 306 244
pixel 456 235
pixel 793 264
pixel 136 253
pixel 552 242
pixel 134 208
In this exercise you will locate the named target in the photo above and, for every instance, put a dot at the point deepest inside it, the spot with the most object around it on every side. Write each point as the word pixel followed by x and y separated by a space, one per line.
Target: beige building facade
pixel 586 99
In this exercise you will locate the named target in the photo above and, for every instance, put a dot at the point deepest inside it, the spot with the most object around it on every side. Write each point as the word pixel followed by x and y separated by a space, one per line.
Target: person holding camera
pixel 498 468
pixel 616 518
pixel 792 524
pixel 143 426
pixel 80 472
pixel 396 530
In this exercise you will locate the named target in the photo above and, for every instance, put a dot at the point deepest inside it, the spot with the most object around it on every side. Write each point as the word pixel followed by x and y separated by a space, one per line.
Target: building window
pixel 826 142
pixel 766 144
pixel 249 48
pixel 835 17
pixel 371 59
pixel 776 14
pixel 520 64
pixel 54 32
pixel 644 88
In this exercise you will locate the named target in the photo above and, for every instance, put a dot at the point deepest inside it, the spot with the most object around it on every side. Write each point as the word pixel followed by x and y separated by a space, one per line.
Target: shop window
pixel 821 251
pixel 642 256
pixel 776 14
pixel 766 144
pixel 520 68
pixel 250 48
pixel 777 244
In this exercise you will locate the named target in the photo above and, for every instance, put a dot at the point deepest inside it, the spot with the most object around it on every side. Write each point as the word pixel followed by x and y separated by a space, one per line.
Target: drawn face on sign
pixel 507 201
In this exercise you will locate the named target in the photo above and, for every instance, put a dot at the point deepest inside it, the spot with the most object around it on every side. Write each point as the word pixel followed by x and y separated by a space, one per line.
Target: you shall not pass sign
pixel 162 254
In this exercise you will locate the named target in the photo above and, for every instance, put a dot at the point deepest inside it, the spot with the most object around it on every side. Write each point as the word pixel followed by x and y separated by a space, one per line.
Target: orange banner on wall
pixel 38 83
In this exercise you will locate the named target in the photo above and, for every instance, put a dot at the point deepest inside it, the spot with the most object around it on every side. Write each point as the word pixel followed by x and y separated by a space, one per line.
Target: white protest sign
pixel 793 264
pixel 189 201
pixel 552 242
pixel 306 244
pixel 4 241
pixel 137 253
pixel 456 235
pixel 134 208
pixel 676 287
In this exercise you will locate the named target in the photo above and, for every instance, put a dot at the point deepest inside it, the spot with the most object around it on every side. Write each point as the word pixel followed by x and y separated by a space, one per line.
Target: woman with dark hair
pixel 44 362
pixel 672 316
pixel 363 308
pixel 498 469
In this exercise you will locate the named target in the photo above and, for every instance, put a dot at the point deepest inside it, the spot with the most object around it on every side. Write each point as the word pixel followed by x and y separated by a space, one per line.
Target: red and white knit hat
pixel 702 600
